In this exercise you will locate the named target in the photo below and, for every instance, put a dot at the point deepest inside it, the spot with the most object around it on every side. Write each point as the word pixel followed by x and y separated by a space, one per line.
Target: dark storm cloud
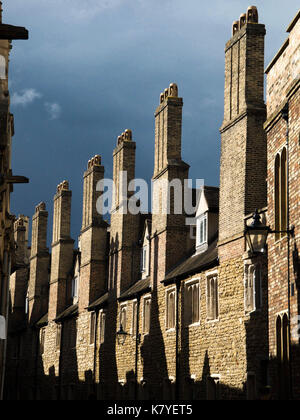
pixel 93 68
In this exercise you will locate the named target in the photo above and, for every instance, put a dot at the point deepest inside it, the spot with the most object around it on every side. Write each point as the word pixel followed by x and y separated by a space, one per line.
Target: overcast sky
pixel 93 68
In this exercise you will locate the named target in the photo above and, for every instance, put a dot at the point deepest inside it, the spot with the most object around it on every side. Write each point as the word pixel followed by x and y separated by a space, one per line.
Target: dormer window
pixel 75 287
pixel 144 259
pixel 202 230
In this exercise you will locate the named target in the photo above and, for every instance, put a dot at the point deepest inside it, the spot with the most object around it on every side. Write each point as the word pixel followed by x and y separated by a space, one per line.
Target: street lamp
pixel 121 335
pixel 257 234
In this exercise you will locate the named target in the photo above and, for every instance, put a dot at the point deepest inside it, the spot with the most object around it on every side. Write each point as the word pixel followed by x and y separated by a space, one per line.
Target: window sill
pixel 194 325
pixel 212 321
pixel 170 330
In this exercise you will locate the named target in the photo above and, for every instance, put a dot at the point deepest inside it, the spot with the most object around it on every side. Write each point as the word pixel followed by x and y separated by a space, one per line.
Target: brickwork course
pixel 96 323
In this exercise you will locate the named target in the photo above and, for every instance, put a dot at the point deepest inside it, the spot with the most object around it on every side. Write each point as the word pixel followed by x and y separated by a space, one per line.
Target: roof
pixel 68 313
pixel 195 263
pixel 101 301
pixel 294 21
pixel 278 55
pixel 212 197
pixel 139 287
pixel 13 32
pixel 43 321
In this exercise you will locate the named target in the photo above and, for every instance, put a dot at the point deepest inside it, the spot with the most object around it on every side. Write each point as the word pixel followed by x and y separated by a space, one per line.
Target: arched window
pixel 2 68
pixel 277 195
pixel 283 192
pixel 280 194
pixel 283 355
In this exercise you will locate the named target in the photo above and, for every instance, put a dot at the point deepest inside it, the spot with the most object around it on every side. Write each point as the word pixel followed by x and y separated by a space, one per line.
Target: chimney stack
pixel 62 250
pixel 93 238
pixel 38 291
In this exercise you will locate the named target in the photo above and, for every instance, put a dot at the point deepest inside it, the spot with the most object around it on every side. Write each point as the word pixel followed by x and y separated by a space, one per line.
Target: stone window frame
pixel 279 196
pixel 75 288
pixel 42 340
pixel 134 318
pixel 93 327
pixel 27 304
pixel 253 269
pixel 3 68
pixel 145 299
pixel 123 309
pixel 208 276
pixel 188 283
pixel 102 325
pixel 169 292
pixel 58 337
pixel 203 219
pixel 144 259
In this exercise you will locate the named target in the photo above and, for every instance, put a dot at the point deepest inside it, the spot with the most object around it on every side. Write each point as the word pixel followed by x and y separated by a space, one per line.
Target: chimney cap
pixel 40 207
pixel 95 161
pixel 63 186
pixel 171 91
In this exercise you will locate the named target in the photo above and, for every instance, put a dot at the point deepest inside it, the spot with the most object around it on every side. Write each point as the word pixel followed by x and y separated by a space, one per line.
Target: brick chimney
pixel 62 250
pixel 38 291
pixel 124 225
pixel 169 167
pixel 243 151
pixel 19 278
pixel 93 238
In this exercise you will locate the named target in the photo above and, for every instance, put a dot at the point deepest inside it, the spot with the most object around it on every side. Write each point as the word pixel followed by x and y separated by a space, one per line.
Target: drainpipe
pixel 137 343
pixel 177 384
pixel 285 116
pixel 95 352
pixel 62 334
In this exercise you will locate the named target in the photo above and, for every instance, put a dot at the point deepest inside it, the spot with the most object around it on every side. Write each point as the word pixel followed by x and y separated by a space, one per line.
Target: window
pixel 75 287
pixel 147 315
pixel 102 326
pixel 171 309
pixel 202 230
pixel 2 68
pixel 134 318
pixel 280 195
pixel 93 328
pixel 192 300
pixel 27 305
pixel 144 259
pixel 283 355
pixel 42 340
pixel 58 336
pixel 123 317
pixel 212 298
pixel 253 295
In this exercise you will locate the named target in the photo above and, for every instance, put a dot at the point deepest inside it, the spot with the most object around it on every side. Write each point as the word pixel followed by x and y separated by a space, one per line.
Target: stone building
pixel 283 134
pixel 147 307
pixel 7 179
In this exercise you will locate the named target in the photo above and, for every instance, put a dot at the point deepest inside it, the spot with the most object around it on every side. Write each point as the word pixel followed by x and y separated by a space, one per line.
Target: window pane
pixel 102 327
pixel 92 328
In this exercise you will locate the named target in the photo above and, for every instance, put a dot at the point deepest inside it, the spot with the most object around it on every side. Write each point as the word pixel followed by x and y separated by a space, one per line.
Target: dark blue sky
pixel 93 68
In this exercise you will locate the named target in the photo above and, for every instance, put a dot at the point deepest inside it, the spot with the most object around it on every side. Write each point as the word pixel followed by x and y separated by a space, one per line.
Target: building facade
pixel 282 128
pixel 7 179
pixel 148 307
